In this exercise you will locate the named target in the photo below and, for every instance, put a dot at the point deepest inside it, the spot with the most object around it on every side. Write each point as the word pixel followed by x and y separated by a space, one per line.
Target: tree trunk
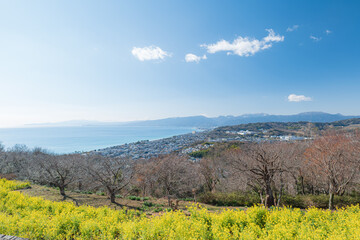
pixel 302 185
pixel 278 200
pixel 168 196
pixel 213 184
pixel 331 200
pixel 194 193
pixel 112 197
pixel 80 185
pixel 269 197
pixel 176 204
pixel 62 191
pixel 297 185
pixel 331 197
pixel 261 198
pixel 312 190
pixel 169 200
pixel 144 191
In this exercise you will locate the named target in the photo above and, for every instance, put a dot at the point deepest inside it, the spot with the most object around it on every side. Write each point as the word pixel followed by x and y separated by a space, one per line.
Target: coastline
pixel 85 138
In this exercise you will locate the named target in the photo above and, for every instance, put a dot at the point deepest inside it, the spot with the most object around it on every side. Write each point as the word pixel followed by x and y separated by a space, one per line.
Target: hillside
pixel 302 128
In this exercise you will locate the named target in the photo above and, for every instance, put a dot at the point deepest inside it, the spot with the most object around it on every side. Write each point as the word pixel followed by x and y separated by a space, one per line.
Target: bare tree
pixel 15 160
pixel 54 170
pixel 2 157
pixel 113 174
pixel 295 166
pixel 262 163
pixel 334 157
pixel 212 170
pixel 3 162
pixel 177 175
pixel 146 177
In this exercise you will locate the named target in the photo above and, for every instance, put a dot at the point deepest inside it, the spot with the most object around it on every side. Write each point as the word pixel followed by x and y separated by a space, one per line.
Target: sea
pixel 84 138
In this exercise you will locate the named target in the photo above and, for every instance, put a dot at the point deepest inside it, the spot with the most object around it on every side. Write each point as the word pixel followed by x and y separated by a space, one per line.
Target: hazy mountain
pixel 206 122
pixel 71 123
pixel 201 121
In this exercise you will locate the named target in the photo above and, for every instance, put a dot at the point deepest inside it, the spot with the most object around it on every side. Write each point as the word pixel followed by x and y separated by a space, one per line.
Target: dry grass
pixel 95 200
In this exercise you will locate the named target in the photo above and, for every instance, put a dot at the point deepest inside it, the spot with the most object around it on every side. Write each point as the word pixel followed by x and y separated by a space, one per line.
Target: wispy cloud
pixel 149 53
pixel 244 46
pixel 293 28
pixel 193 58
pixel 327 31
pixel 298 98
pixel 316 39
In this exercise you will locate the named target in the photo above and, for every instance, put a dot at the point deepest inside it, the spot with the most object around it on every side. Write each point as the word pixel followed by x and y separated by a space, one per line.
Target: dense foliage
pixel 199 154
pixel 36 218
pixel 297 201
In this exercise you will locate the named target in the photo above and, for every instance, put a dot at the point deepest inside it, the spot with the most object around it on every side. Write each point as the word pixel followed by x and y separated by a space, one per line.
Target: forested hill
pixel 291 128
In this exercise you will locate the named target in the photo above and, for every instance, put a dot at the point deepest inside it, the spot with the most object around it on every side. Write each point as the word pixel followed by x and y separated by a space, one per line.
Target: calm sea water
pixel 71 139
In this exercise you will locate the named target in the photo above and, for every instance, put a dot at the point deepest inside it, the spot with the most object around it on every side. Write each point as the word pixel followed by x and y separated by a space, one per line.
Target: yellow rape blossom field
pixel 36 218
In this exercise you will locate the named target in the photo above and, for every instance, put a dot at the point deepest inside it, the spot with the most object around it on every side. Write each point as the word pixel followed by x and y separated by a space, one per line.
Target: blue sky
pixel 126 60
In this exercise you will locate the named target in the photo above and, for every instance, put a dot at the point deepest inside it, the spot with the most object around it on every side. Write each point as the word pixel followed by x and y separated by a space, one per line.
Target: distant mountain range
pixel 206 122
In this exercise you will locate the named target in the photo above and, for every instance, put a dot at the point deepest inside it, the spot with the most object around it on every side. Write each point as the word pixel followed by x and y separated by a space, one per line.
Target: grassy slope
pixel 99 201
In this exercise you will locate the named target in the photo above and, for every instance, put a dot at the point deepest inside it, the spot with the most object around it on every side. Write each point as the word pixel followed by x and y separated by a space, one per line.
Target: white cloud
pixel 316 39
pixel 149 53
pixel 293 28
pixel 193 58
pixel 298 98
pixel 327 31
pixel 244 46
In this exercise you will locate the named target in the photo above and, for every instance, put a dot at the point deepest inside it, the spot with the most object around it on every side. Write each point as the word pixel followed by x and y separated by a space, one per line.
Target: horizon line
pixel 80 122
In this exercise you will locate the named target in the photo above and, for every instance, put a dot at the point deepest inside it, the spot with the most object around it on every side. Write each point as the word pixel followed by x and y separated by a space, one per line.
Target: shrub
pixel 318 201
pixel 132 198
pixel 148 204
pixel 230 199
pixel 199 154
pixel 298 201
pixel 159 209
pixel 187 199
pixel 86 192
pixel 136 198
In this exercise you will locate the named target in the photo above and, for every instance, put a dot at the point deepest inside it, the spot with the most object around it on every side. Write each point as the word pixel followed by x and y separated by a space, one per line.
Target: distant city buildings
pixel 188 143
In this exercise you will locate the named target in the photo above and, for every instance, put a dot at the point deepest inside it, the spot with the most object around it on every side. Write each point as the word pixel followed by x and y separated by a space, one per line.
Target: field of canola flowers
pixel 36 218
